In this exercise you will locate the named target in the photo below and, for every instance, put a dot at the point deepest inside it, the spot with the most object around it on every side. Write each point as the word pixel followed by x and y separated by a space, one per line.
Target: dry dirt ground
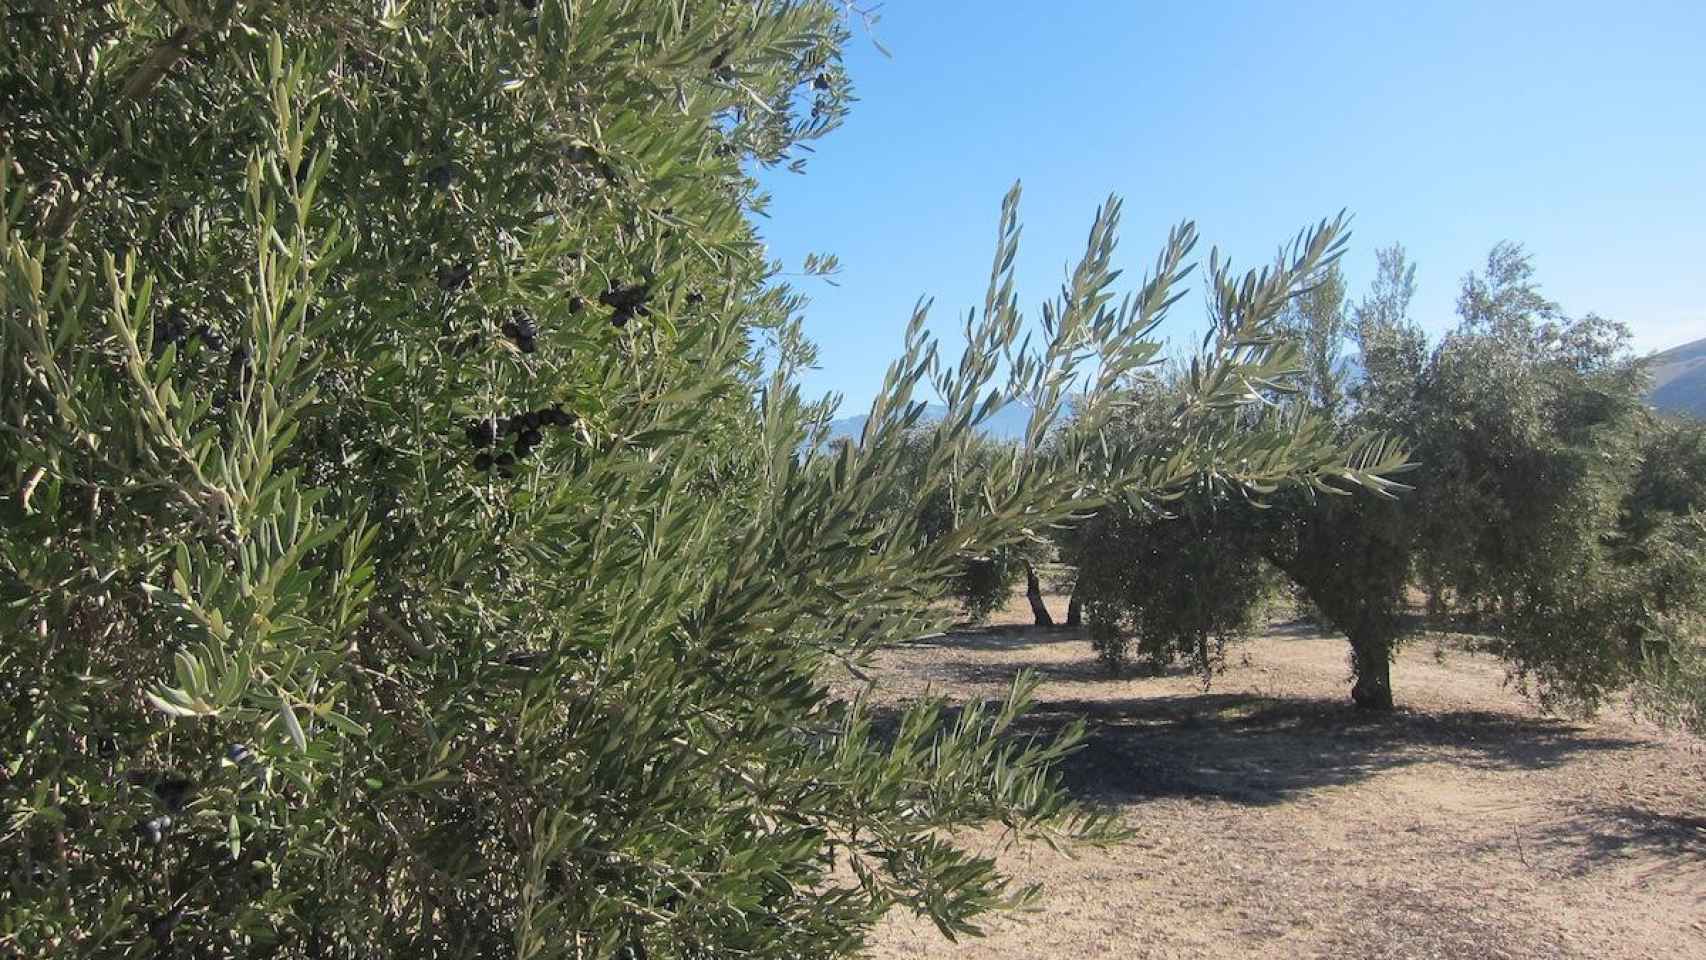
pixel 1272 820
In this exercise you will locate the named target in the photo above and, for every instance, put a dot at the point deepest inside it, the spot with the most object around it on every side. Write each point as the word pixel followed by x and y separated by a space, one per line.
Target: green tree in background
pixel 1183 575
pixel 1662 549
pixel 1525 427
pixel 1519 421
pixel 1352 556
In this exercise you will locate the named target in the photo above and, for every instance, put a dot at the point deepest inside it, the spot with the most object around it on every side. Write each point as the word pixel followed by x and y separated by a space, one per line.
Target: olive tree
pixel 1519 421
pixel 1661 547
pixel 406 550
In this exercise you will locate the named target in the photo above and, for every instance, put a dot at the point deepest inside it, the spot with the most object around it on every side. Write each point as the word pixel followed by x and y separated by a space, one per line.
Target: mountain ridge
pixel 1679 379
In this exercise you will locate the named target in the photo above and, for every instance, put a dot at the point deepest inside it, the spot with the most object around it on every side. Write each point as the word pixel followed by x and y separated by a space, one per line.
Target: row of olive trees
pixel 1550 511
pixel 405 553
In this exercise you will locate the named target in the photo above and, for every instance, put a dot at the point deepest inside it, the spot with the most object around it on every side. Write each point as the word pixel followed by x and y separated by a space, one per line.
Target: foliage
pixel 1182 576
pixel 979 582
pixel 1317 317
pixel 1525 423
pixel 1178 586
pixel 404 554
pixel 1662 548
pixel 1165 583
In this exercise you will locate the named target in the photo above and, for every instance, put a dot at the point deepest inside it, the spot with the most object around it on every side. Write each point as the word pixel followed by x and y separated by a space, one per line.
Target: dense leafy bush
pixel 1662 549
pixel 980 582
pixel 1525 424
pixel 1178 587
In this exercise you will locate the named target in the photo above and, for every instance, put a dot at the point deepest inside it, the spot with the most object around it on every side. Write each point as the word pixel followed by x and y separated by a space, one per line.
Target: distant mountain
pixel 1008 423
pixel 1679 379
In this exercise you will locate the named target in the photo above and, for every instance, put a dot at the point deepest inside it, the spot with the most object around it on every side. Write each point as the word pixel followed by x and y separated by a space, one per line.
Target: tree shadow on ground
pixel 1257 750
pixel 1005 637
pixel 1605 836
pixel 1076 670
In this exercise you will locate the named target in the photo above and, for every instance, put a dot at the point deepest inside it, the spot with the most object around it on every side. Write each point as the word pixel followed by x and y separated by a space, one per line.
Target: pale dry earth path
pixel 1272 820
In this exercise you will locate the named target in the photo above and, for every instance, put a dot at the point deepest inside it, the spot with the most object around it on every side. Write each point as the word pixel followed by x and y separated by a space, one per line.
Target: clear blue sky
pixel 1576 129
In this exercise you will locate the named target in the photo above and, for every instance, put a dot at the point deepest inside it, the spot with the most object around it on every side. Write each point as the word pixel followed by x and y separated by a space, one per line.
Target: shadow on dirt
pixel 1002 637
pixel 1605 836
pixel 1249 749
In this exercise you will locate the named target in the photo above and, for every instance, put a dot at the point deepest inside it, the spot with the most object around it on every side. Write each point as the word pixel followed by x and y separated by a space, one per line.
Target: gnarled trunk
pixel 1075 610
pixel 1371 659
pixel 1034 593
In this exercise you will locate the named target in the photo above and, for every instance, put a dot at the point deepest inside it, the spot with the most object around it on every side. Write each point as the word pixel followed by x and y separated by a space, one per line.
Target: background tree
pixel 1352 556
pixel 981 582
pixel 1518 420
pixel 1525 427
pixel 1521 421
pixel 1661 547
pixel 1134 554
pixel 1171 587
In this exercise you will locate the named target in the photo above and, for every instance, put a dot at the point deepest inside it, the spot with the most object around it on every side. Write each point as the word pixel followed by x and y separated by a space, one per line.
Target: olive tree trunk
pixel 1034 593
pixel 1371 660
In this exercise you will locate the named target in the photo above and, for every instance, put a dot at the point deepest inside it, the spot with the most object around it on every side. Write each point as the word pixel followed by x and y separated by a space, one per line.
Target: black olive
pixel 152 830
pixel 530 420
pixel 556 417
pixel 171 329
pixel 576 304
pixel 482 433
pixel 695 298
pixel 483 462
pixel 620 318
pixel 440 177
pixel 173 791
pixel 454 277
pixel 523 331
pixel 160 928
pixel 821 81
pixel 531 438
pixel 237 753
pixel 504 460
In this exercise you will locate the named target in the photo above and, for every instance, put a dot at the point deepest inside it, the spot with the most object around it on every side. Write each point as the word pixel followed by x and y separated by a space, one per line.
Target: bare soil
pixel 1272 819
